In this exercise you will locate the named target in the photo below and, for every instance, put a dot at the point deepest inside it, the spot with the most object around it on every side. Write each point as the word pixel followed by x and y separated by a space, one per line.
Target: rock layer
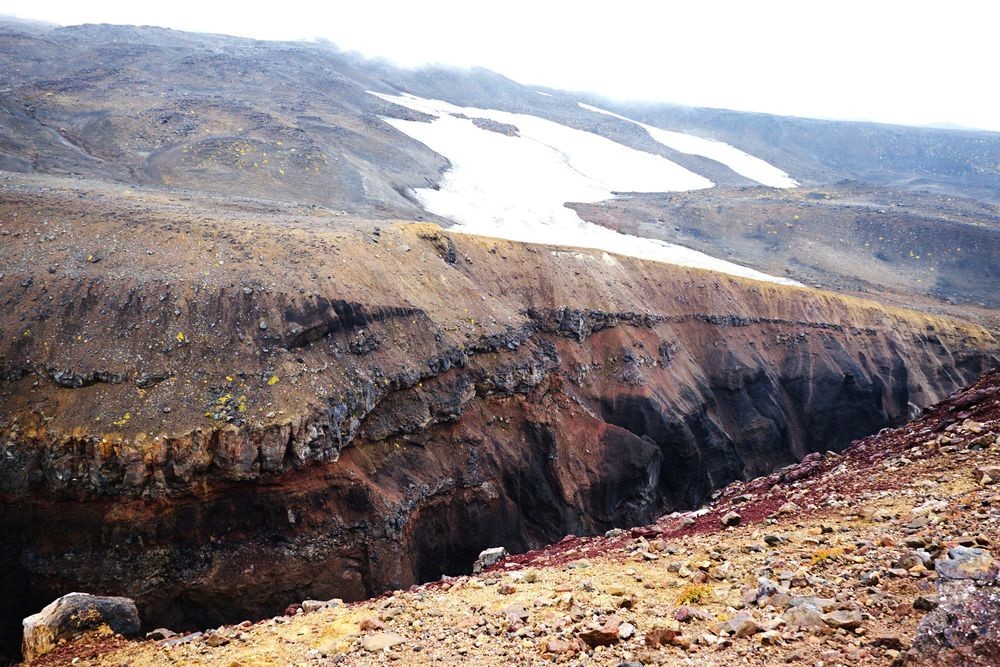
pixel 361 412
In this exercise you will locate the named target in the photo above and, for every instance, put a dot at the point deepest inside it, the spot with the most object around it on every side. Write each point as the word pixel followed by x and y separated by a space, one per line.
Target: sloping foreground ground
pixel 841 559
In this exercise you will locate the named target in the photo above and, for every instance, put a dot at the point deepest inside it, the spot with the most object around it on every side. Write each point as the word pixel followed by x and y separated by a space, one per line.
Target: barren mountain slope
pixel 926 251
pixel 305 123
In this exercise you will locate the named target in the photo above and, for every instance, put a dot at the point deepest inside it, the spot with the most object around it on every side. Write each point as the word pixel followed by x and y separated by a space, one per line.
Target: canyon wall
pixel 359 411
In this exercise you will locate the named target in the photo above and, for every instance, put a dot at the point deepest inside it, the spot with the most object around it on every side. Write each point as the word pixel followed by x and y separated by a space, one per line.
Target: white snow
pixel 515 187
pixel 742 163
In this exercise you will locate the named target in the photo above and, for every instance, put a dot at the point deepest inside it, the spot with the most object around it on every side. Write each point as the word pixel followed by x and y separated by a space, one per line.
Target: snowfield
pixel 516 186
pixel 742 163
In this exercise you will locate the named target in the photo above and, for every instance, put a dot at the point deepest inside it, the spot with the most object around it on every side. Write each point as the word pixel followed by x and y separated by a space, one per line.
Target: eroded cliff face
pixel 226 414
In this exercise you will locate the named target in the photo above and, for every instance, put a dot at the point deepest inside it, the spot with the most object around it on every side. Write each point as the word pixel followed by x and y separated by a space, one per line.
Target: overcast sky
pixel 910 62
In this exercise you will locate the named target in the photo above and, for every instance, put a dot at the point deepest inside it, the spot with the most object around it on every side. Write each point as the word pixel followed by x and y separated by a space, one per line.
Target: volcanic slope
pixel 216 405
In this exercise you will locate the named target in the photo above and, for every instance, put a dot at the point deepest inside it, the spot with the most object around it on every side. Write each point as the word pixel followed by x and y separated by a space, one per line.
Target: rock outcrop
pixel 889 559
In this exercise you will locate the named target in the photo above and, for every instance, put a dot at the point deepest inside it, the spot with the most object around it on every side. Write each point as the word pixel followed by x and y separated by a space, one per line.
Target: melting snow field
pixel 514 186
pixel 742 163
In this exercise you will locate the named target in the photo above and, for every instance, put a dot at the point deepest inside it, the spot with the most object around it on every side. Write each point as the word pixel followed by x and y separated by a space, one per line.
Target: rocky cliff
pixel 218 408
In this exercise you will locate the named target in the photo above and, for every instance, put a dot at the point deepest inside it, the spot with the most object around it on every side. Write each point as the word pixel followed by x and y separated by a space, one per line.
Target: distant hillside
pixel 293 121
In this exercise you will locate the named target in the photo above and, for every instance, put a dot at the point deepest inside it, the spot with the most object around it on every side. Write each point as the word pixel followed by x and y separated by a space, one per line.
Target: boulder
pixel 963 630
pixel 73 615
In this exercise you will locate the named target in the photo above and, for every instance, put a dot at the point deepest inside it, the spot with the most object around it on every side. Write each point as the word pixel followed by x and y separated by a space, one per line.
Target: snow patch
pixel 515 186
pixel 742 163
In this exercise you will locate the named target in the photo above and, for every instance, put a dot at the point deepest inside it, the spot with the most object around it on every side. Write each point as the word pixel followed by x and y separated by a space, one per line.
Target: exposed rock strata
pixel 513 395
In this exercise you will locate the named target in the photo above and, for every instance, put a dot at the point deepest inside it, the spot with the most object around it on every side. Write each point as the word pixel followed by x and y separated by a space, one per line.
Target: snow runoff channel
pixel 514 185
pixel 742 163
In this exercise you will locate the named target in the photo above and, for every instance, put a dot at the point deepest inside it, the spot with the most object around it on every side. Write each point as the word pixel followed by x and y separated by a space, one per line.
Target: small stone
pixel 381 641
pixel 602 635
pixel 743 625
pixel 507 589
pixel 848 619
pixel 731 519
pixel 926 603
pixel 789 508
pixel 625 630
pixel 488 558
pixel 986 475
pixel 369 624
pixel 215 640
pixel 262 325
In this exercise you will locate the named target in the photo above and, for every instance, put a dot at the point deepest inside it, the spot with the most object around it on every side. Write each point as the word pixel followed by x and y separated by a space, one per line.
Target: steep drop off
pixel 215 409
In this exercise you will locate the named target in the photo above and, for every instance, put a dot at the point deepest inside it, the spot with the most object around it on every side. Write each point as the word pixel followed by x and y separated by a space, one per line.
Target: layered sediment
pixel 226 412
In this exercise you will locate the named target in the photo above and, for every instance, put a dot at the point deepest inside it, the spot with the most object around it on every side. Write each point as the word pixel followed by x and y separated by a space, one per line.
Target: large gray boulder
pixel 74 614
